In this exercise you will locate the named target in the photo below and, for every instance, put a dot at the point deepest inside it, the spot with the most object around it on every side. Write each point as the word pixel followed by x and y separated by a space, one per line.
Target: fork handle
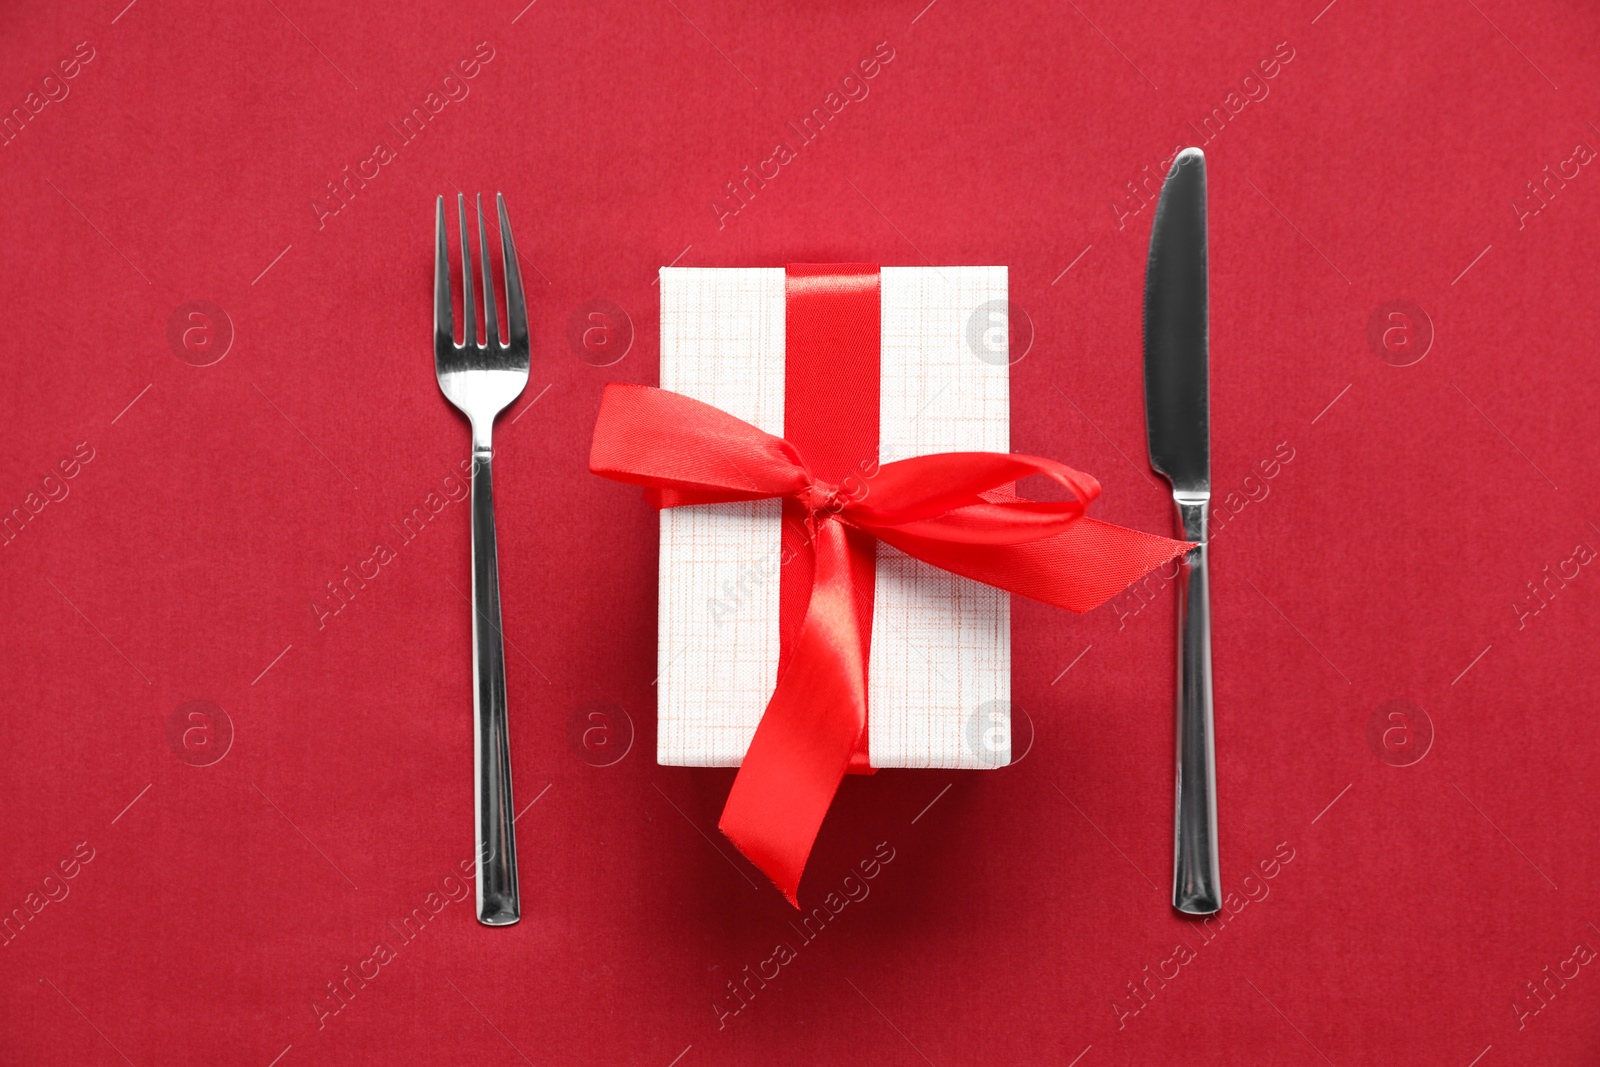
pixel 498 903
pixel 1196 884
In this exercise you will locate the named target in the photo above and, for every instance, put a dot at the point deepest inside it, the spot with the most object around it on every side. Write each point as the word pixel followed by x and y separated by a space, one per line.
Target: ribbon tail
pixel 1078 569
pixel 802 746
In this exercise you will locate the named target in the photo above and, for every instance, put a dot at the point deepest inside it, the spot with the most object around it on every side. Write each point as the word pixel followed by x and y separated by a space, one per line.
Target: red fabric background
pixel 1382 564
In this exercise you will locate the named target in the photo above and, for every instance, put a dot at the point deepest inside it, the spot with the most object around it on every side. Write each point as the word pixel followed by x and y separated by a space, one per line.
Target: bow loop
pixel 967 497
pixel 691 452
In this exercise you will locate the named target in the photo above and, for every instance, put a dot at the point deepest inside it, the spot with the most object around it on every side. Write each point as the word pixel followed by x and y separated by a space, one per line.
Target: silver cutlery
pixel 1177 418
pixel 482 380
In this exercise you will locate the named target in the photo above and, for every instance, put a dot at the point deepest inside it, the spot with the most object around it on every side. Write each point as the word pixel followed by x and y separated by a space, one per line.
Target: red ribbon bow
pixel 955 511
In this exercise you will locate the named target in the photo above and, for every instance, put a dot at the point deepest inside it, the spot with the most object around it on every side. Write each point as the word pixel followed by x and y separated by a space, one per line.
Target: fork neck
pixel 481 448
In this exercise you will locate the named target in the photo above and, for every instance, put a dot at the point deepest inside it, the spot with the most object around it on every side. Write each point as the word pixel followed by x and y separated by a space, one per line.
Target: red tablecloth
pixel 1384 524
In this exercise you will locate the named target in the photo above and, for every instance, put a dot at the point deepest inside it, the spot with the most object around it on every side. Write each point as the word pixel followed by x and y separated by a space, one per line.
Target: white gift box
pixel 939 677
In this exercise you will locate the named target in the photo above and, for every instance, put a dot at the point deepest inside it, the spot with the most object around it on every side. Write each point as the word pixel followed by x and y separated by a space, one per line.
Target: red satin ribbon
pixel 955 511
pixel 830 414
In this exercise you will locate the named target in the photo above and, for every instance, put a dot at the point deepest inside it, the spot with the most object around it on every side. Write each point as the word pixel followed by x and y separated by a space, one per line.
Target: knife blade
pixel 1177 402
pixel 1177 422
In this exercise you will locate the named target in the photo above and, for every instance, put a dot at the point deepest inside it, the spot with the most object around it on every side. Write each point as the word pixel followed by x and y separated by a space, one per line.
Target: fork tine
pixel 491 329
pixel 516 304
pixel 444 330
pixel 469 328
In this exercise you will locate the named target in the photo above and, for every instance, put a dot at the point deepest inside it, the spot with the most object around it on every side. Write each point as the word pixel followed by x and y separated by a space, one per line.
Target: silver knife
pixel 1177 418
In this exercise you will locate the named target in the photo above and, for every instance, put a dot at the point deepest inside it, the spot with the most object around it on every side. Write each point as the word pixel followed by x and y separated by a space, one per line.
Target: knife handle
pixel 1196 883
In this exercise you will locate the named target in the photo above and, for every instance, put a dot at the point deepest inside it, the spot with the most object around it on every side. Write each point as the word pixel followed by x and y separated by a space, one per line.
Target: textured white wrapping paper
pixel 940 671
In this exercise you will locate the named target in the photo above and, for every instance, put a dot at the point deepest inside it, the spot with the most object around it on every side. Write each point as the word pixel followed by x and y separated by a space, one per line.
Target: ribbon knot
pixel 822 501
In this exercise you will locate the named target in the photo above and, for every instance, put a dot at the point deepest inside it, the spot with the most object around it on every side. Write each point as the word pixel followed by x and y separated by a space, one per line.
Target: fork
pixel 482 380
